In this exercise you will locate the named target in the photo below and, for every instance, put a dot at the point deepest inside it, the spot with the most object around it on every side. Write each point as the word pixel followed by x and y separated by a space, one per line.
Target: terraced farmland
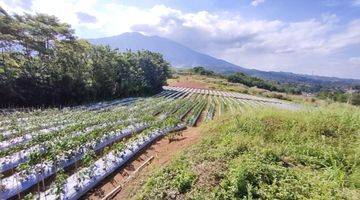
pixel 54 153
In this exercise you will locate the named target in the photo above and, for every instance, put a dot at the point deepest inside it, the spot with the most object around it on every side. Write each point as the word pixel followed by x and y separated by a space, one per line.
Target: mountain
pixel 183 57
pixel 177 54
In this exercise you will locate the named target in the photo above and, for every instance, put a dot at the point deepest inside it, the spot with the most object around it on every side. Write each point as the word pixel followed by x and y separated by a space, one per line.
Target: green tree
pixel 42 63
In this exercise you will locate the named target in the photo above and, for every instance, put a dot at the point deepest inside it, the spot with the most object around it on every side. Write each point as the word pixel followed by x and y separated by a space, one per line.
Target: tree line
pixel 249 81
pixel 352 97
pixel 42 63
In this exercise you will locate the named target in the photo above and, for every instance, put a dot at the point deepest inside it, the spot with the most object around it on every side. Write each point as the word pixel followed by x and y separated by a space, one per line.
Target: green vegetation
pixel 260 83
pixel 340 96
pixel 202 71
pixel 247 80
pixel 268 154
pixel 43 64
pixel 244 83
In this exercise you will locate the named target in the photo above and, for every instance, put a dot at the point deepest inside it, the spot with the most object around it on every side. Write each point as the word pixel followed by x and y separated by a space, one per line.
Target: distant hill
pixel 181 56
pixel 313 81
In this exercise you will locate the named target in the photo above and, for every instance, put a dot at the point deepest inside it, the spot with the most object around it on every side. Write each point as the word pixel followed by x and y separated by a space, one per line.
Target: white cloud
pixel 306 46
pixel 307 37
pixel 355 60
pixel 85 17
pixel 348 37
pixel 111 18
pixel 257 2
pixel 356 2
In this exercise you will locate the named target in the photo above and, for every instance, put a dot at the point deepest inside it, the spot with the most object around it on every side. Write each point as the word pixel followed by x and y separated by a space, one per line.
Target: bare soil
pixel 188 82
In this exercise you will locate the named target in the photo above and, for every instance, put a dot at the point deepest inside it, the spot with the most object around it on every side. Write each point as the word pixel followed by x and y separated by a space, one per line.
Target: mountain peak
pixel 131 34
pixel 177 54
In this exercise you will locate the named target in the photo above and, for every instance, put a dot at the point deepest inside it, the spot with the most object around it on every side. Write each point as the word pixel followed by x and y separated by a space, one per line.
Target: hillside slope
pixel 267 154
pixel 178 55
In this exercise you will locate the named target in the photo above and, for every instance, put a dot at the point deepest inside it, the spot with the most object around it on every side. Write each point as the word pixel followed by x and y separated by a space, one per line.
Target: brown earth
pixel 162 150
pixel 188 82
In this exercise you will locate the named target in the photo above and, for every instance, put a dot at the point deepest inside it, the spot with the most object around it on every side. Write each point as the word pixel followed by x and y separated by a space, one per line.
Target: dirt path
pixel 163 152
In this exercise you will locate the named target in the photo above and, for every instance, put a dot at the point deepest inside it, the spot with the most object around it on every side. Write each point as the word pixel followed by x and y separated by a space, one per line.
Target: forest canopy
pixel 42 63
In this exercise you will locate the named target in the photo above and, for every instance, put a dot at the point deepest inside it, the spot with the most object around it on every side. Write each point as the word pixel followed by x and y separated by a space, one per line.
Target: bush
pixel 355 99
pixel 202 71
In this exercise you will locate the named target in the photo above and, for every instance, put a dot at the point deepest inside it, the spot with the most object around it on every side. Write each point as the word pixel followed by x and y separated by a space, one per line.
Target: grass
pixel 268 154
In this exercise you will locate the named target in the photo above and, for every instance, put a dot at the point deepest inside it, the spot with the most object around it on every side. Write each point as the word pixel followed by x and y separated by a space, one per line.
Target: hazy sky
pixel 304 36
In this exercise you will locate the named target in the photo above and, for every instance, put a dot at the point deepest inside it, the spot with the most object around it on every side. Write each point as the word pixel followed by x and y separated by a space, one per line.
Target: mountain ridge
pixel 181 56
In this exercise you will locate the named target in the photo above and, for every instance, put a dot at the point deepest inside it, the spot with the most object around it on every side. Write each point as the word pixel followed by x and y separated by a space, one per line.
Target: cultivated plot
pixel 55 153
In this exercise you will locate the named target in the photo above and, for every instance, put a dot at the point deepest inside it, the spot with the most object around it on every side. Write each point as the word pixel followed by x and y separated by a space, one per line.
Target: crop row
pixel 79 183
pixel 101 137
pixel 21 156
pixel 249 98
pixel 46 123
pixel 25 179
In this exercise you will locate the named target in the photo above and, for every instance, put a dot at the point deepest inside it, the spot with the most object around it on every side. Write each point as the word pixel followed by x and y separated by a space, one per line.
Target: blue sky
pixel 319 37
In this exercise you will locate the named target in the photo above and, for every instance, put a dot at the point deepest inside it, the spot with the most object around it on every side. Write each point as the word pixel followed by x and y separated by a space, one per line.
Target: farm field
pixel 222 84
pixel 64 153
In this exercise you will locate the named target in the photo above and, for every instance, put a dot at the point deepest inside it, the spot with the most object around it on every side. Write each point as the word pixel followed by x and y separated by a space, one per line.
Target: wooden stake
pixel 118 188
